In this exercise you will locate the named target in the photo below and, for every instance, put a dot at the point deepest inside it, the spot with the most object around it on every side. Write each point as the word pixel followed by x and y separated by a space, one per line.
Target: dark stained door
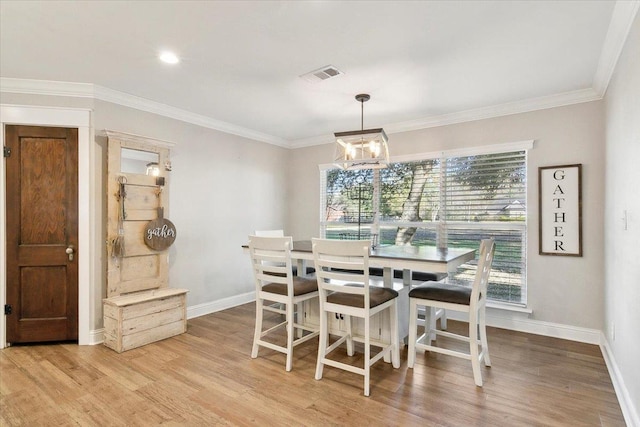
pixel 42 225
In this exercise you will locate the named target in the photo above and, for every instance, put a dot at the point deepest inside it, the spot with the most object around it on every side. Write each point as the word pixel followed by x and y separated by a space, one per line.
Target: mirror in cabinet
pixel 139 161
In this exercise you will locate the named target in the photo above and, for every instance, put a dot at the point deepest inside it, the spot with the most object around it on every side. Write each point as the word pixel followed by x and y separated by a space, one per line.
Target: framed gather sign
pixel 560 204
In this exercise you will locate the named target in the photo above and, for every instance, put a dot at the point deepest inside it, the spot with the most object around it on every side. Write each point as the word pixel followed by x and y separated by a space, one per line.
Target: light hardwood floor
pixel 206 377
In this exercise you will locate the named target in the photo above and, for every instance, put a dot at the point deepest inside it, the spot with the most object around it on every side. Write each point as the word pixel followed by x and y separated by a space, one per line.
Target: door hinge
pixel 7 309
pixel 6 151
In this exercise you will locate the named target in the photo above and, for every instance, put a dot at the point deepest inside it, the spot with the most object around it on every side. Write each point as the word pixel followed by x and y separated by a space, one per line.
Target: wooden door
pixel 42 225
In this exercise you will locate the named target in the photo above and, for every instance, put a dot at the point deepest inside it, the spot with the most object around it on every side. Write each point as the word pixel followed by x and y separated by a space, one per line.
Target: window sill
pixel 509 307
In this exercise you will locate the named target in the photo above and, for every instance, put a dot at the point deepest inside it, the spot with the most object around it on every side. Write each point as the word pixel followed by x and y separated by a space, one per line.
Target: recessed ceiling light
pixel 169 57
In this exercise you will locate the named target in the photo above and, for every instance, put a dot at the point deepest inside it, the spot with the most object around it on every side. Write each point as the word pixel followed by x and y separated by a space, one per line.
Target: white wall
pixel 223 187
pixel 562 290
pixel 622 262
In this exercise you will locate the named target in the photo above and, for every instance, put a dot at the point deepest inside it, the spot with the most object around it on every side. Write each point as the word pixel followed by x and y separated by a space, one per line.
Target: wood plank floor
pixel 206 377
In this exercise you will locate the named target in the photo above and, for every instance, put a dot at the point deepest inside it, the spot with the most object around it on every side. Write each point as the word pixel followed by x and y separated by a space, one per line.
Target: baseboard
pixel 514 323
pixel 96 336
pixel 556 330
pixel 517 322
pixel 223 304
pixel 629 411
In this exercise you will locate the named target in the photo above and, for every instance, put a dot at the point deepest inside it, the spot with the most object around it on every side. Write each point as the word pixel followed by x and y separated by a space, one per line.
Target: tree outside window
pixel 456 200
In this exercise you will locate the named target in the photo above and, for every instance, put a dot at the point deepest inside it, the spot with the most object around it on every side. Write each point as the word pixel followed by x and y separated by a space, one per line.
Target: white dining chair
pixel 269 233
pixel 471 300
pixel 342 272
pixel 275 283
pixel 280 233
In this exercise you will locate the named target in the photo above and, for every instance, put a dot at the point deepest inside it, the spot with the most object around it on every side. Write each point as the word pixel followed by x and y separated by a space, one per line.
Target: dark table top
pixel 408 252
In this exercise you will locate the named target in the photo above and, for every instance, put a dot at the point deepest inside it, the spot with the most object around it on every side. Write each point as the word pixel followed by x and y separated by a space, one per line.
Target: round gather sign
pixel 159 234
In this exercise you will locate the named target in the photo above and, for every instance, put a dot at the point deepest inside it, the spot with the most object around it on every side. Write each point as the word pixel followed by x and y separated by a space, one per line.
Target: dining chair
pixel 342 273
pixel 471 300
pixel 421 276
pixel 280 233
pixel 275 283
pixel 269 233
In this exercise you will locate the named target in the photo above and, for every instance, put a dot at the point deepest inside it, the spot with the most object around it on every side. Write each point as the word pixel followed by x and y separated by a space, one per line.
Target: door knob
pixel 69 251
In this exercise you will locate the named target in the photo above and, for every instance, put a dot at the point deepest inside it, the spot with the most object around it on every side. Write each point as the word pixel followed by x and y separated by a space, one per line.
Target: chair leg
pixel 443 320
pixel 258 330
pixel 395 339
pixel 432 313
pixel 430 321
pixel 290 332
pixel 323 343
pixel 483 338
pixel 349 326
pixel 367 354
pixel 473 348
pixel 413 332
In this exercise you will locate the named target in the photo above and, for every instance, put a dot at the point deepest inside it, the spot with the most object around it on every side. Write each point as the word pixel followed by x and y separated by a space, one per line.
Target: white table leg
pixel 406 277
pixel 387 277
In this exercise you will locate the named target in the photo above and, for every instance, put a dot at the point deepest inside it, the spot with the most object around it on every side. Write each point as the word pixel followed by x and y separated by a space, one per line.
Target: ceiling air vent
pixel 321 74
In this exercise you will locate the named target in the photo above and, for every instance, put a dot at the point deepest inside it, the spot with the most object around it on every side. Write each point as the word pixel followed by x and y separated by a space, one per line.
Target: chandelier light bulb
pixel 374 148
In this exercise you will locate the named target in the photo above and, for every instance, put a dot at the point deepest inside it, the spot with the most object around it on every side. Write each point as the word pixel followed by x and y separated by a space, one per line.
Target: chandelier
pixel 364 148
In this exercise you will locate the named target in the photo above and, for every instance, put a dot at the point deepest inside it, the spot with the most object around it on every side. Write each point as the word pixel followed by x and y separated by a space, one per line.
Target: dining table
pixel 406 258
pixel 398 257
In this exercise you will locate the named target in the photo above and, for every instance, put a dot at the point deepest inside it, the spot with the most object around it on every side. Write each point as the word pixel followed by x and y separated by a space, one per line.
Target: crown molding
pixel 89 90
pixel 47 87
pixel 624 13
pixel 314 140
pixel 122 98
pixel 516 107
pixel 524 106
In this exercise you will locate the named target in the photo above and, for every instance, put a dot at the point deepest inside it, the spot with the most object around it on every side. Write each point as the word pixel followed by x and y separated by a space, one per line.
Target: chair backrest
pixel 341 262
pixel 271 261
pixel 485 259
pixel 269 233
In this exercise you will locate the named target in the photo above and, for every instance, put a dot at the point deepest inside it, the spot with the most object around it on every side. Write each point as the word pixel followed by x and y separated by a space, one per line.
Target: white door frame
pixel 61 117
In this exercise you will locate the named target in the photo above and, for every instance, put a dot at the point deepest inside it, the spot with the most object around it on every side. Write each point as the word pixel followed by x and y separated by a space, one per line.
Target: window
pixel 452 199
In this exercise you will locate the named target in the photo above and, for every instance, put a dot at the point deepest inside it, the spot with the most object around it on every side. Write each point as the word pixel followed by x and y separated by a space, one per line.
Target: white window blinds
pixel 452 200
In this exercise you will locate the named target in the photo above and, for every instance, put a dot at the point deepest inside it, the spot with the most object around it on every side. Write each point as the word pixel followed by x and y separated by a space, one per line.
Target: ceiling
pixel 423 62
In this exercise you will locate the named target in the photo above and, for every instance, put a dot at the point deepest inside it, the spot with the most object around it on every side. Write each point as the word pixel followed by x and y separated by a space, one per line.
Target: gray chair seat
pixel 301 286
pixel 436 291
pixel 377 296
